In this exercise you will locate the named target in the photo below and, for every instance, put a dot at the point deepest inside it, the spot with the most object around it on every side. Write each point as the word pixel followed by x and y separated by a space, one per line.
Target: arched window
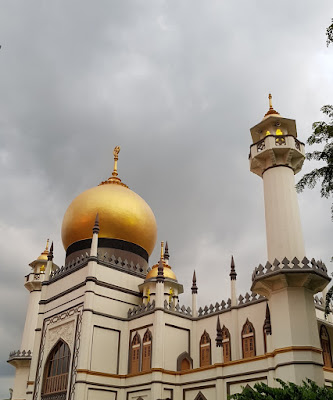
pixel 56 370
pixel 135 354
pixel 226 344
pixel 146 351
pixel 248 340
pixel 205 358
pixel 326 347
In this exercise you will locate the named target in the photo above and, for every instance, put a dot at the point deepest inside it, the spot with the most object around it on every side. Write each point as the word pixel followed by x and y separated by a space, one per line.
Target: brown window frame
pixel 147 343
pixel 58 360
pixel 204 348
pixel 248 339
pixel 135 354
pixel 325 344
pixel 226 343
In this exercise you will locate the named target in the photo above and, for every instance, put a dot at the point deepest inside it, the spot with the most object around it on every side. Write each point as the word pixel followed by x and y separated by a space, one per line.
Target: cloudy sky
pixel 177 84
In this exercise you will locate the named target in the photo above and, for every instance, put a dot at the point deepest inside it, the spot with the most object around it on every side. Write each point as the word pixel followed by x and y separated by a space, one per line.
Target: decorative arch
pixel 135 354
pixel 146 350
pixel 184 362
pixel 248 340
pixel 205 350
pixel 226 344
pixel 326 346
pixel 56 370
pixel 200 396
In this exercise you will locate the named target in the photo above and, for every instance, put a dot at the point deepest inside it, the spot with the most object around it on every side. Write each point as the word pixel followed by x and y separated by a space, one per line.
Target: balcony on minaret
pixel 275 143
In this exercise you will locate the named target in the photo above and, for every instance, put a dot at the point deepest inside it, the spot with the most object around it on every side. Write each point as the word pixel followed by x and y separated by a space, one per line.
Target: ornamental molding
pixel 65 325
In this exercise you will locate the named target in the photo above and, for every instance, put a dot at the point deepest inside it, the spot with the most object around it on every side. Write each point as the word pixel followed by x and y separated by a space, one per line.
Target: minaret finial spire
pixel 50 254
pixel 47 245
pixel 166 251
pixel 219 338
pixel 194 287
pixel 271 109
pixel 96 225
pixel 233 273
pixel 115 164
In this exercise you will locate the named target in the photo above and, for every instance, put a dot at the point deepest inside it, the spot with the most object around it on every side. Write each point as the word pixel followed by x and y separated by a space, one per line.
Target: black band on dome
pixel 108 243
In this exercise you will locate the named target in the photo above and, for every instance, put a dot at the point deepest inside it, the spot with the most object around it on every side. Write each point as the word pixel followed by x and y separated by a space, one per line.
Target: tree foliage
pixel 322 133
pixel 309 390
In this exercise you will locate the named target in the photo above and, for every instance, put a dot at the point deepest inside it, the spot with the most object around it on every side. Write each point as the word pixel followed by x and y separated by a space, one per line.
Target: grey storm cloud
pixel 177 85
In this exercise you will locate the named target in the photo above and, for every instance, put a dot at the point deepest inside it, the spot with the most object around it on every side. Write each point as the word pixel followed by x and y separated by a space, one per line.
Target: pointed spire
pixel 96 225
pixel 166 251
pixel 271 109
pixel 267 323
pixel 50 254
pixel 194 287
pixel 219 337
pixel 233 273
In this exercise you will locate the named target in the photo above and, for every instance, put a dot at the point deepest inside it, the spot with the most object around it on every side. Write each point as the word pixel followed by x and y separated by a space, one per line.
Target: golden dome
pixel 123 215
pixel 43 255
pixel 167 271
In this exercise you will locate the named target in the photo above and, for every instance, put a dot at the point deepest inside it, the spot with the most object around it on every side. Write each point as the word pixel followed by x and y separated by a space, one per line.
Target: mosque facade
pixel 106 326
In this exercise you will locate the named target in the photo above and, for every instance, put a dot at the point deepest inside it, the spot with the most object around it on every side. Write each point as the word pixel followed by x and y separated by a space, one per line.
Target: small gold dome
pixel 43 255
pixel 167 271
pixel 123 215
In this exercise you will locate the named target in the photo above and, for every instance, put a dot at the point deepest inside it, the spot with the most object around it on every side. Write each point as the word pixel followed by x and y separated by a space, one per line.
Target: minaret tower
pixel 289 280
pixel 276 155
pixel 21 359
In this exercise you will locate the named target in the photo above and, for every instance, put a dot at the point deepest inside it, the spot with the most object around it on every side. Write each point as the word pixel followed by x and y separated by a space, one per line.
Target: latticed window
pixel 56 371
pixel 205 350
pixel 248 340
pixel 146 351
pixel 135 354
pixel 326 347
pixel 226 344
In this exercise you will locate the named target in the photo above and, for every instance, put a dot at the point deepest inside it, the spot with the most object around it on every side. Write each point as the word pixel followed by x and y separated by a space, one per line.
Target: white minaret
pixel 21 359
pixel 289 280
pixel 276 155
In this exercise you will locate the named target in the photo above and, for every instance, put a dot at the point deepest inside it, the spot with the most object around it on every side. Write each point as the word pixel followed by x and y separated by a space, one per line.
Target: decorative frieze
pixel 294 265
pixel 19 354
pixel 142 309
pixel 105 259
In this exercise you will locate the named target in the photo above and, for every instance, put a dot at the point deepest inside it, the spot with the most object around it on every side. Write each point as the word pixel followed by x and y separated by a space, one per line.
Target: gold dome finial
pixel 114 178
pixel 43 255
pixel 271 109
pixel 162 250
pixel 115 157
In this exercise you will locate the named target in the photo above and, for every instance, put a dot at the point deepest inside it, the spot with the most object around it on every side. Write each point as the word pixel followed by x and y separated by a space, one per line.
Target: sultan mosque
pixel 107 326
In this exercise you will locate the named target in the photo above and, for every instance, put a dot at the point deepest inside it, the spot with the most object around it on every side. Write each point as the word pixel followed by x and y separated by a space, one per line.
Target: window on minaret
pixel 326 347
pixel 146 351
pixel 205 357
pixel 226 344
pixel 135 354
pixel 56 371
pixel 248 340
